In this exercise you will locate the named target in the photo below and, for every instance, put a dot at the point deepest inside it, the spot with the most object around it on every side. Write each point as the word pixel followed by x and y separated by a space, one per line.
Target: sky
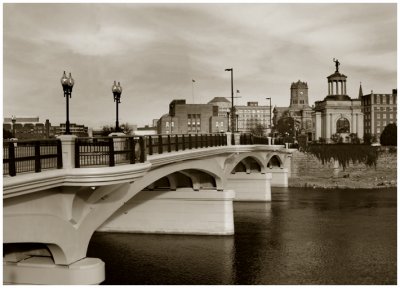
pixel 155 50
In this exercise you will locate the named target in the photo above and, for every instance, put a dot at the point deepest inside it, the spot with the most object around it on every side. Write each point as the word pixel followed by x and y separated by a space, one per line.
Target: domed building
pixel 338 113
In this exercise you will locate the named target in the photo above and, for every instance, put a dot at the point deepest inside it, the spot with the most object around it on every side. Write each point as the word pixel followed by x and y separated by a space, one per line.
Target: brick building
pixel 191 118
pixel 379 111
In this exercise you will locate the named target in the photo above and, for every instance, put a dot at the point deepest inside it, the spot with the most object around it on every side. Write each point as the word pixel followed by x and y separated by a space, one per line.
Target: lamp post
pixel 228 120
pixel 232 108
pixel 13 120
pixel 67 83
pixel 117 90
pixel 270 116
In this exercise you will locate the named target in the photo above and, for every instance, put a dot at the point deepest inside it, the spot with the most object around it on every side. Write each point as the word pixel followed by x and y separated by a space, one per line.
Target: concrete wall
pixel 306 164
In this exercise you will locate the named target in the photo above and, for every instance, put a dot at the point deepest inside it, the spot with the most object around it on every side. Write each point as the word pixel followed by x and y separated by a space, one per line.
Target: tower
pixel 298 94
pixel 360 93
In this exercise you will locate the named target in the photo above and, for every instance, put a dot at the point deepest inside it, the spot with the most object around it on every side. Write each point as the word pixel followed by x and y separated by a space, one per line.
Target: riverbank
pixel 307 171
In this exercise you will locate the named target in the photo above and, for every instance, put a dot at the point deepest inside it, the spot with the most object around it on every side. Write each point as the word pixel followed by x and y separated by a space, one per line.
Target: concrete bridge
pixel 50 217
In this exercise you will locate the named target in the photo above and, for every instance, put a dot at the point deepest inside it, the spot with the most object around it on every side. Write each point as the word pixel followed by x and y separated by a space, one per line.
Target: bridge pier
pixel 250 186
pixel 279 176
pixel 42 271
pixel 184 211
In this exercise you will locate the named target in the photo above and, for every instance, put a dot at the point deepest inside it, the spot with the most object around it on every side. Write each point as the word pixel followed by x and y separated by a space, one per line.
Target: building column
pixel 330 124
pixel 341 87
pixel 337 87
pixel 345 89
pixel 357 125
pixel 352 123
pixel 329 88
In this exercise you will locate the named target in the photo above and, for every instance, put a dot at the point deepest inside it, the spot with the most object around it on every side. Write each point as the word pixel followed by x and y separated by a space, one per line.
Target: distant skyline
pixel 156 50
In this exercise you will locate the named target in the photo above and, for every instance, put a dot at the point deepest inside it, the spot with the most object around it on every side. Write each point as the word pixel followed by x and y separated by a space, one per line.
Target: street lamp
pixel 232 109
pixel 228 119
pixel 270 115
pixel 13 120
pixel 67 83
pixel 117 90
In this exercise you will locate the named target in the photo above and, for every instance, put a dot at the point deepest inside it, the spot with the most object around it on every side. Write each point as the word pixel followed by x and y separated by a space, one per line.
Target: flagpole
pixel 193 91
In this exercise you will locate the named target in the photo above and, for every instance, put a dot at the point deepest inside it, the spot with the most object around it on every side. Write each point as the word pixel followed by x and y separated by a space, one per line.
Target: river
pixel 304 236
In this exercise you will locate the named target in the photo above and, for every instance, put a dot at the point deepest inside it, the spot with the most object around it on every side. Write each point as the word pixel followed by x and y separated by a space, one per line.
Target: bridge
pixel 57 193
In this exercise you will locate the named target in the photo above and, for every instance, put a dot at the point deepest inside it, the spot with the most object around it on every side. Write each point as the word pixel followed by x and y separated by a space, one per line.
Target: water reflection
pixel 305 236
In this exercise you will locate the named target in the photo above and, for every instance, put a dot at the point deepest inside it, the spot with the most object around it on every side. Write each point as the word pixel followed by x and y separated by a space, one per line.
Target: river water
pixel 304 236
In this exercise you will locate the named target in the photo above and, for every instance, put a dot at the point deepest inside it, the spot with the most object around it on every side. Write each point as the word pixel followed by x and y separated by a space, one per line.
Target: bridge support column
pixel 250 187
pixel 184 211
pixel 42 270
pixel 279 177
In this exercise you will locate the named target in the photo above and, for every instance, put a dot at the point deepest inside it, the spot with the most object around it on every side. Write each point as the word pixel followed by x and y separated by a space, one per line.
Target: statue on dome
pixel 337 64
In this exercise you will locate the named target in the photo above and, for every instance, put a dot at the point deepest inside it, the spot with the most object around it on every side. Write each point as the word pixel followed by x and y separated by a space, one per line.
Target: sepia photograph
pixel 200 143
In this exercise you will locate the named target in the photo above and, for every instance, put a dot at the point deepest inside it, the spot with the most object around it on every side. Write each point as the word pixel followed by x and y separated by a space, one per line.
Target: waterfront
pixel 304 236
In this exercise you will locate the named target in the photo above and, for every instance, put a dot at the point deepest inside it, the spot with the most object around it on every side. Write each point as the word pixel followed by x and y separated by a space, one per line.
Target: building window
pixel 384 116
pixel 378 130
pixel 172 124
pixel 167 124
pixel 383 99
pixel 378 116
pixel 391 116
pixel 377 100
pixel 222 124
pixel 216 124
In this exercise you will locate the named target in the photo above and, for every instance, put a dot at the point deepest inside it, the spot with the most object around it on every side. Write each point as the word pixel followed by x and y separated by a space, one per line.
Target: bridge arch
pixel 274 161
pixel 249 161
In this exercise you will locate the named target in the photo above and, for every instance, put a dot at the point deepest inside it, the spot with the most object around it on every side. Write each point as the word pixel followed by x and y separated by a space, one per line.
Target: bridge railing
pixel 109 151
pixel 159 144
pixel 31 156
pixel 250 139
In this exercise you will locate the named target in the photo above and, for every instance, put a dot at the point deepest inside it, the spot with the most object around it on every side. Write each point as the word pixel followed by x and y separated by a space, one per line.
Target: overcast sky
pixel 155 50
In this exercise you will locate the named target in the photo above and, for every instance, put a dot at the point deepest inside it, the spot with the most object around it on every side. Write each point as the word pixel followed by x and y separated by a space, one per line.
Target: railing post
pixel 131 146
pixel 196 141
pixel 169 143
pixel 111 152
pixel 11 159
pixel 201 140
pixel 150 146
pixel 59 154
pixel 183 142
pixel 68 151
pixel 176 142
pixel 160 147
pixel 190 141
pixel 142 145
pixel 38 166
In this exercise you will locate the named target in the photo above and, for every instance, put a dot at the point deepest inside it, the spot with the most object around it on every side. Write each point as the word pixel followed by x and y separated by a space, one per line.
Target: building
pixel 27 127
pixel 251 115
pixel 224 105
pixel 75 129
pixel 379 110
pixel 31 128
pixel 338 113
pixel 191 118
pixel 298 109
